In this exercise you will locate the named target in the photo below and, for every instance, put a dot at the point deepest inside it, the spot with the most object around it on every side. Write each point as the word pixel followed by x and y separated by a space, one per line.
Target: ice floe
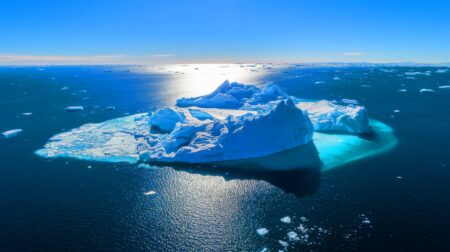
pixel 427 90
pixel 262 231
pixel 293 236
pixel 150 193
pixel 11 133
pixel 286 219
pixel 442 70
pixel 283 243
pixel 74 108
pixel 444 87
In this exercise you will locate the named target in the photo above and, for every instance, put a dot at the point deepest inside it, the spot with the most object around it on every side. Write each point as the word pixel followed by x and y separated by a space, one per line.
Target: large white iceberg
pixel 188 135
pixel 235 122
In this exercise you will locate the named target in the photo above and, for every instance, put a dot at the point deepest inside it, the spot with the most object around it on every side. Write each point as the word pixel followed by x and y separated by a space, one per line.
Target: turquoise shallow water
pixel 67 204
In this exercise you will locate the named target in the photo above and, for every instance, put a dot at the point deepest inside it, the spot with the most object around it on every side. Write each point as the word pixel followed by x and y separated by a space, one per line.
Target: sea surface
pixel 396 201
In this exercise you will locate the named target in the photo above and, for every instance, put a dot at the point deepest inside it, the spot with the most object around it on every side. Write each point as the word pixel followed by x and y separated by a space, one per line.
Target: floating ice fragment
pixel 366 86
pixel 286 219
pixel 399 177
pixel 27 114
pixel 110 108
pixel 336 78
pixel 283 243
pixel 303 218
pixel 350 101
pixel 443 70
pixel 444 87
pixel 293 236
pixel 262 231
pixel 11 133
pixel 74 108
pixel 403 90
pixel 418 73
pixel 396 111
pixel 427 90
pixel 319 82
pixel 265 250
pixel 150 193
pixel 65 88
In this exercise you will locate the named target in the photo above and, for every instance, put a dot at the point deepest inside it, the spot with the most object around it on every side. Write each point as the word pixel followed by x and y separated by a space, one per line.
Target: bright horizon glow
pixel 72 32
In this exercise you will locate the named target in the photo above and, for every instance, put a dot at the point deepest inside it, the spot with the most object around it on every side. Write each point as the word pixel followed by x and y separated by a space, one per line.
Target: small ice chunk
pixel 366 86
pixel 12 133
pixel 286 219
pixel 427 90
pixel 396 111
pixel 293 236
pixel 366 221
pixel 262 231
pixel 442 70
pixel 150 193
pixel 110 108
pixel 283 243
pixel 444 87
pixel 350 101
pixel 74 108
pixel 399 177
pixel 319 82
pixel 336 78
pixel 265 250
pixel 65 88
pixel 27 114
pixel 403 90
pixel 303 218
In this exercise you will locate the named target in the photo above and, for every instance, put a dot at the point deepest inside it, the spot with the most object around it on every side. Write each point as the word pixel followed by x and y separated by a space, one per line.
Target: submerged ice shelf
pixel 235 122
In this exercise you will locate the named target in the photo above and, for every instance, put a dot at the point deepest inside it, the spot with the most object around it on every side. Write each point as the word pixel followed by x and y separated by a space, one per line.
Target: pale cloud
pixel 352 53
pixel 58 59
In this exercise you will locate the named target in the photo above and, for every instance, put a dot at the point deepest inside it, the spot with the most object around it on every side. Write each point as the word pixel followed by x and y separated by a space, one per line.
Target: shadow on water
pixel 296 171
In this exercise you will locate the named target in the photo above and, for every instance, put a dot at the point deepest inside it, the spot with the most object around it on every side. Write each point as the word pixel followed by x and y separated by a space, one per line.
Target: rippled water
pixel 65 204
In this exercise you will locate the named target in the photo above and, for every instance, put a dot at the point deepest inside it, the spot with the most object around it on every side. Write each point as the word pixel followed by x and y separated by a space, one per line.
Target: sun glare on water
pixel 200 79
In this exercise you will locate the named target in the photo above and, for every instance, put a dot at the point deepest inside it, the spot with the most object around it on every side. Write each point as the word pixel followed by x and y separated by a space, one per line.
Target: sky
pixel 223 31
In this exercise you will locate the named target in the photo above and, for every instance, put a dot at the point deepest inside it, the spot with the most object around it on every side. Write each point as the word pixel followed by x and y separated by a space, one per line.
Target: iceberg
pixel 74 108
pixel 11 133
pixel 262 231
pixel 325 115
pixel 234 123
pixel 427 90
pixel 178 135
pixel 286 219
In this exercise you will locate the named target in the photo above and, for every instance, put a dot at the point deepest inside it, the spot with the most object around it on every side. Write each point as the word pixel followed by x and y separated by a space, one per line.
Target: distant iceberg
pixel 235 122
pixel 11 133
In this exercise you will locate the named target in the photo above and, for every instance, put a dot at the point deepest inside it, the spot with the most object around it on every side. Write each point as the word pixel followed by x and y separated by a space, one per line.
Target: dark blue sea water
pixel 72 205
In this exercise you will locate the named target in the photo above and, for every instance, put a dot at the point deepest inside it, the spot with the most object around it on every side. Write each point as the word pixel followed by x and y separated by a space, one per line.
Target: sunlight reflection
pixel 200 79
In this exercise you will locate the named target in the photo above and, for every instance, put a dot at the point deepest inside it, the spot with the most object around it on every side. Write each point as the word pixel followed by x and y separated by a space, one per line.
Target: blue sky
pixel 153 31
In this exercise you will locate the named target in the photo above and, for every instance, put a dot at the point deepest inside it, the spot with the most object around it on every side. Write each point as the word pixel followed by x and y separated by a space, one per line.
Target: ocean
pixel 398 200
